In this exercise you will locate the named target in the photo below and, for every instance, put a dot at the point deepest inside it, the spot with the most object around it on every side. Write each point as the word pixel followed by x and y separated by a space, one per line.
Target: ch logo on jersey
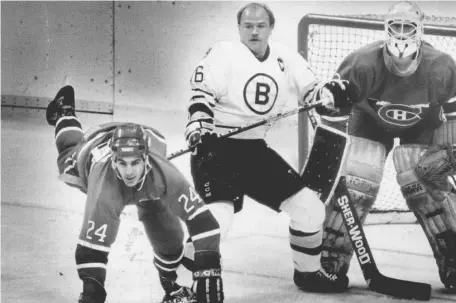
pixel 260 93
pixel 400 114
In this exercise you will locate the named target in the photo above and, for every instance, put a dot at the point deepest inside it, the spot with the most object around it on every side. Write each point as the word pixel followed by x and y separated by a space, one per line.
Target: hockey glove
pixel 338 91
pixel 199 125
pixel 200 137
pixel 207 277
pixel 335 95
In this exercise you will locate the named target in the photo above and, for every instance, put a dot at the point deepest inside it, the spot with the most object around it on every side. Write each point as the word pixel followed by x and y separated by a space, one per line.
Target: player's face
pixel 130 169
pixel 254 30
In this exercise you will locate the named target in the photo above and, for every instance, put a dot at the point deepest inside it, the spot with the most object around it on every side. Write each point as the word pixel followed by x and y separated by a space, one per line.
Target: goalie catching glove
pixel 335 96
pixel 207 277
pixel 435 166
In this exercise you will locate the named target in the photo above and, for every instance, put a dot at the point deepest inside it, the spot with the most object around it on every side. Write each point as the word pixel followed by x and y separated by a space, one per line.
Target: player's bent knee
pixel 306 210
pixel 223 213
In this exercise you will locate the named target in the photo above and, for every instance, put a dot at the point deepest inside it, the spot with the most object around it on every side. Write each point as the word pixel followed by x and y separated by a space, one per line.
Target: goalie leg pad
pixel 307 213
pixel 437 218
pixel 364 171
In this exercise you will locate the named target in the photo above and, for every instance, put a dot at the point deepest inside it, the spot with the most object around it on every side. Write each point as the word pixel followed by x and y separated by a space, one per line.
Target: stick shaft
pixel 256 124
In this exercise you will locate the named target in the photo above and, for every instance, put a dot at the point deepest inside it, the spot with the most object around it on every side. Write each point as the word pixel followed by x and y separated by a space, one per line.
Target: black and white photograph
pixel 228 151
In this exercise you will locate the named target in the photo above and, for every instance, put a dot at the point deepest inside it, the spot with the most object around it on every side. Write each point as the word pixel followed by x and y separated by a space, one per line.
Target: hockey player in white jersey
pixel 242 82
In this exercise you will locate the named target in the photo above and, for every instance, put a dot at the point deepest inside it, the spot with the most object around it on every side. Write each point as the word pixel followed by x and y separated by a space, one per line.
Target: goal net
pixel 325 40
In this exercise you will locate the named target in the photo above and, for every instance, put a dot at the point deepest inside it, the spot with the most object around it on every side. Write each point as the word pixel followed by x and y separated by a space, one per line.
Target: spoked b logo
pixel 260 93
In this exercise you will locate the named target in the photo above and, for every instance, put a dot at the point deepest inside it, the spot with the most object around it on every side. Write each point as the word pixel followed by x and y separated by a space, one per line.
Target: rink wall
pixel 127 61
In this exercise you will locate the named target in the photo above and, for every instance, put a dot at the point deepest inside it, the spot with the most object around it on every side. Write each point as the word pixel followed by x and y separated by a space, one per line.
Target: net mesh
pixel 327 45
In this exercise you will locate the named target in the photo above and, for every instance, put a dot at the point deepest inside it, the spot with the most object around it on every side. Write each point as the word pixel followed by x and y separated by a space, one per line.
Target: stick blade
pixel 401 289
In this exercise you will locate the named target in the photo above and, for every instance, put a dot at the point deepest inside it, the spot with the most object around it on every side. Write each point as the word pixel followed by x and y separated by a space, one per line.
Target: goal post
pixel 324 40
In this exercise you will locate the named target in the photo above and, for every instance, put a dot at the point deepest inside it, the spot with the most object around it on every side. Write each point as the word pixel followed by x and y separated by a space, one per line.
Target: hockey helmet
pixel 404 34
pixel 129 140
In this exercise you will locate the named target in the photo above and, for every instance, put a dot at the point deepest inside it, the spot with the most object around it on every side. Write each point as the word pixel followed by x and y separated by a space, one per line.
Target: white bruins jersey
pixel 240 89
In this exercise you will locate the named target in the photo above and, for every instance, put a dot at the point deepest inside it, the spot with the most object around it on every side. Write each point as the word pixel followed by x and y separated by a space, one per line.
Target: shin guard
pixel 306 213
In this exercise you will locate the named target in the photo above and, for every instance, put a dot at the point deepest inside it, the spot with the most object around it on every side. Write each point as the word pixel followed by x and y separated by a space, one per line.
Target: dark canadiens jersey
pixel 398 103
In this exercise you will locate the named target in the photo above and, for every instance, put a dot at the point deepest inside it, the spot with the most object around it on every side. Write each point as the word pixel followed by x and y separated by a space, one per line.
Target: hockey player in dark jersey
pixel 402 88
pixel 242 82
pixel 119 164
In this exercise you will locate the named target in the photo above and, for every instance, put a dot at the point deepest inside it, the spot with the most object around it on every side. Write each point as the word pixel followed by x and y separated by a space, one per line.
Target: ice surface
pixel 40 219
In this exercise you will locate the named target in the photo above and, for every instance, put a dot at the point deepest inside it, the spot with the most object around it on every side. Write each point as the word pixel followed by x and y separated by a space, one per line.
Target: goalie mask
pixel 129 150
pixel 404 33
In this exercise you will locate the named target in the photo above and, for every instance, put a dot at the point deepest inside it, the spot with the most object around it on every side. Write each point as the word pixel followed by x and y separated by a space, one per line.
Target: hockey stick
pixel 238 130
pixel 374 279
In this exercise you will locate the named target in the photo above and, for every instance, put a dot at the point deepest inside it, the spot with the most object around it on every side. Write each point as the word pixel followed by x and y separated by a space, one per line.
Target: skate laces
pixel 331 277
pixel 182 295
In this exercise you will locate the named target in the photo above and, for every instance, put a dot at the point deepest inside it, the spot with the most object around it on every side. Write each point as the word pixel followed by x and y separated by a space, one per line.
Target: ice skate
pixel 92 293
pixel 174 293
pixel 62 105
pixel 181 295
pixel 320 281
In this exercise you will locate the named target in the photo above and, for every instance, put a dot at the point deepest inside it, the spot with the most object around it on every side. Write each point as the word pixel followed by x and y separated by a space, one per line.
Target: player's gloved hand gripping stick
pixel 374 279
pixel 277 117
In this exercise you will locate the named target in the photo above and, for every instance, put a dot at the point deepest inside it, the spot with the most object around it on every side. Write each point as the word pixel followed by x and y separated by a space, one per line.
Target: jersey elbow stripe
pixel 91 265
pixel 94 246
pixel 208 101
pixel 200 107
